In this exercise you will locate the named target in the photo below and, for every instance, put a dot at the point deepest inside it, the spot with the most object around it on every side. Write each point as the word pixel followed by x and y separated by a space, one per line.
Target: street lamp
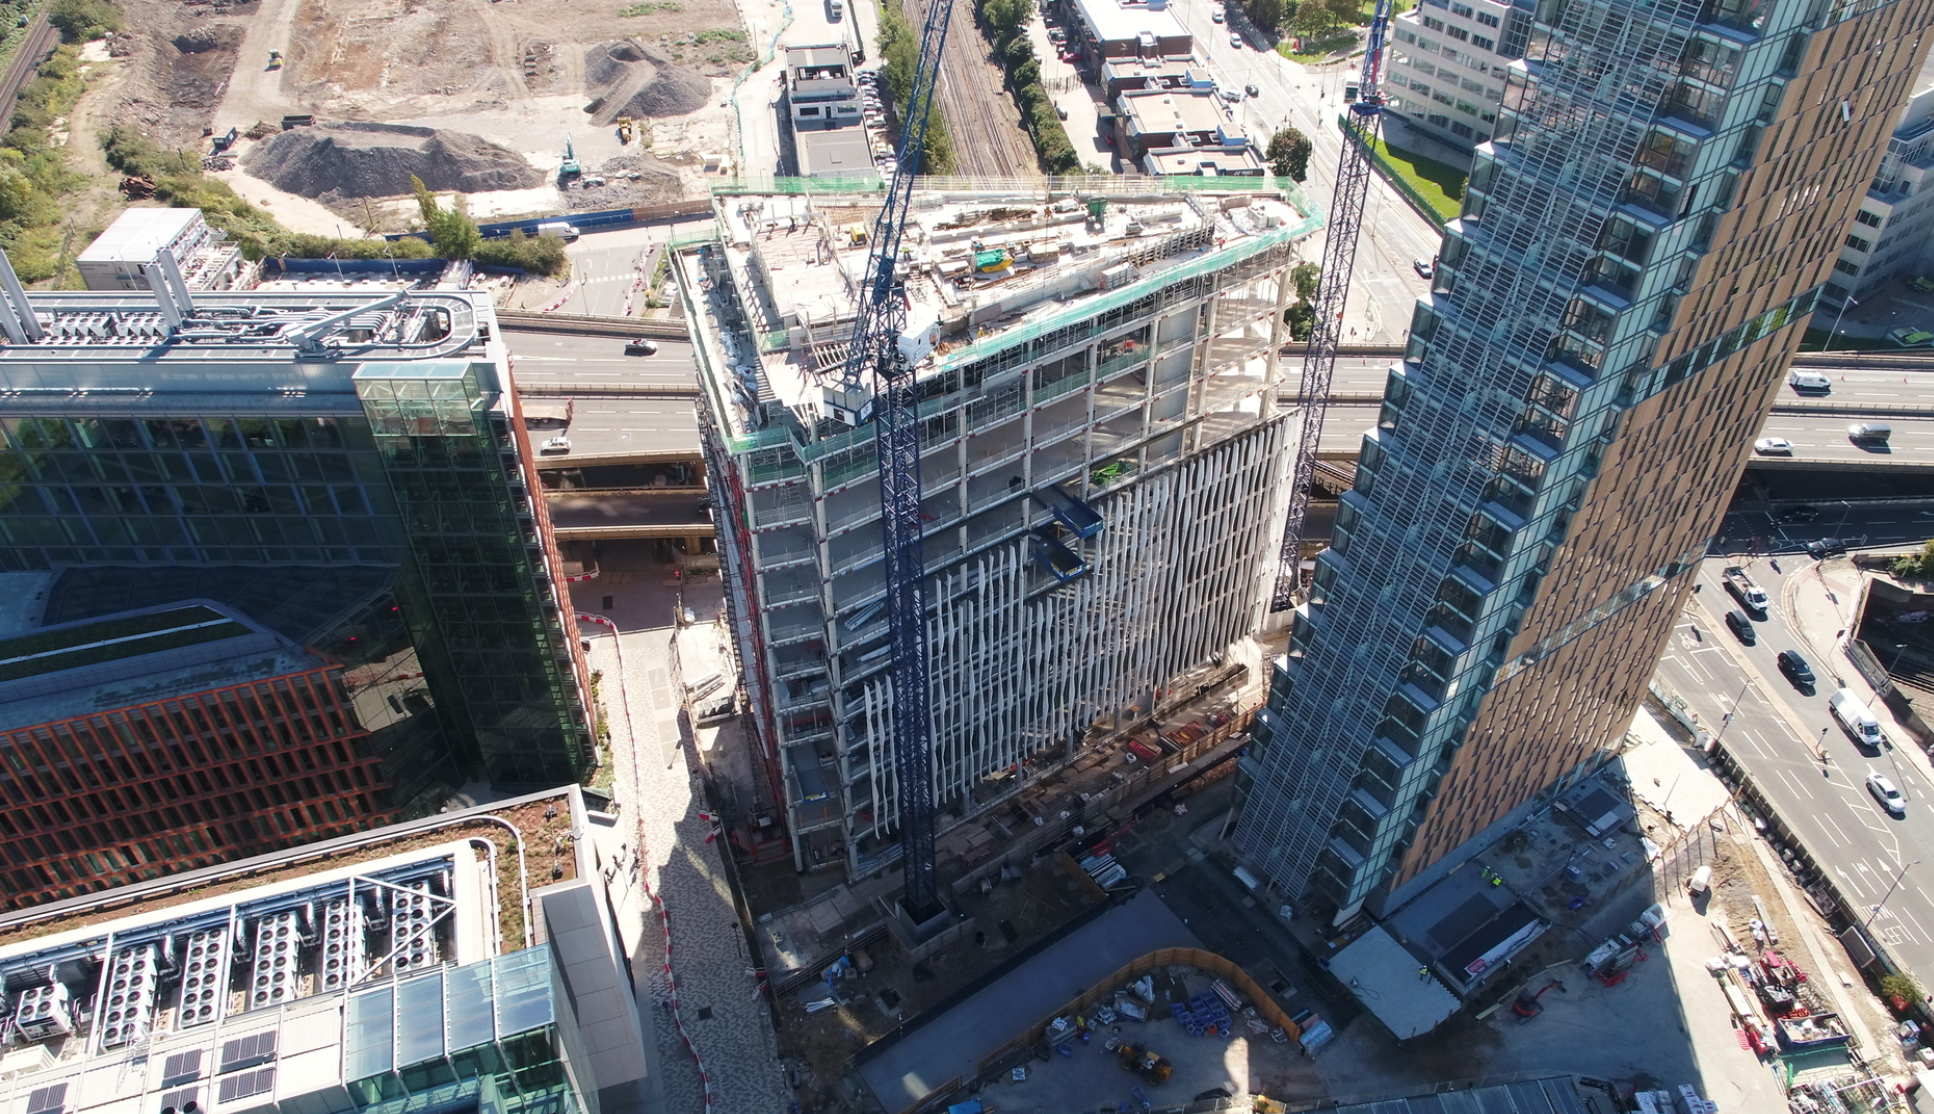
pixel 1898 875
pixel 1836 319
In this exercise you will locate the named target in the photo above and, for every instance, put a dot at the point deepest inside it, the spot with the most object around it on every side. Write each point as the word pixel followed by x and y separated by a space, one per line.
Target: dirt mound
pixel 625 79
pixel 204 39
pixel 376 160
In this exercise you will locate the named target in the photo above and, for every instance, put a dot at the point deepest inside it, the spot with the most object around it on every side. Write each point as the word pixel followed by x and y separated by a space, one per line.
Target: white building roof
pixel 1113 21
pixel 138 235
pixel 1393 984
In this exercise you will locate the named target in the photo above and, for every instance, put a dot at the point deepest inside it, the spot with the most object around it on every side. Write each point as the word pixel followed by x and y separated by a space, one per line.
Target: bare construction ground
pixel 524 75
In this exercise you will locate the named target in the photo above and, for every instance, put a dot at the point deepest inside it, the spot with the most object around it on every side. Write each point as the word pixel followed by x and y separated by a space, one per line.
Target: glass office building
pixel 347 469
pixel 1642 240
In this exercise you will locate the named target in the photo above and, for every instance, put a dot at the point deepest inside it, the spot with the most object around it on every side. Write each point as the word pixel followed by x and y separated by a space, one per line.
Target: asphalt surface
pixel 1384 287
pixel 606 264
pixel 1819 440
pixel 623 427
pixel 585 362
pixel 1776 731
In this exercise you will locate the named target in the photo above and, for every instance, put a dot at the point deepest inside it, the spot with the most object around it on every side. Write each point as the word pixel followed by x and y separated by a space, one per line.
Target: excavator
pixel 1145 1062
pixel 275 60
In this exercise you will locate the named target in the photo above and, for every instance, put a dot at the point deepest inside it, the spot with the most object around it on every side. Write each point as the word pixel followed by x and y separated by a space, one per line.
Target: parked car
pixel 1910 337
pixel 1884 792
pixel 1825 547
pixel 558 444
pixel 1424 267
pixel 1216 15
pixel 1233 96
pixel 1252 90
pixel 1235 41
pixel 1742 627
pixel 1773 446
pixel 641 346
pixel 1921 283
pixel 1797 670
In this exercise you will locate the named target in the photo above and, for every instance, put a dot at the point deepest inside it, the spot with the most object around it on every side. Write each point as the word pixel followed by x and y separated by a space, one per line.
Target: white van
pixel 1854 718
pixel 1870 431
pixel 1808 381
pixel 562 229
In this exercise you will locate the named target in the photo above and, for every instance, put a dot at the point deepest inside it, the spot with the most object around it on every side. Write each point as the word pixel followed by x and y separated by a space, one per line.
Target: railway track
pixel 38 43
pixel 981 117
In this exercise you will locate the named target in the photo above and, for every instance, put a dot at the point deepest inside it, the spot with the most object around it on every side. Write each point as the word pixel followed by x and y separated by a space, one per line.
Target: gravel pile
pixel 628 80
pixel 376 160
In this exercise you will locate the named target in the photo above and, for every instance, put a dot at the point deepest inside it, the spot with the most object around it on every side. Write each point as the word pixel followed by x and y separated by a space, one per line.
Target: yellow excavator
pixel 275 59
pixel 626 127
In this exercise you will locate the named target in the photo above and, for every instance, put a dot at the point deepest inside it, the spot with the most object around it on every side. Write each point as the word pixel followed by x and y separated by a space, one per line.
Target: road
pixel 628 428
pixel 1384 287
pixel 605 266
pixel 1774 731
pixel 587 363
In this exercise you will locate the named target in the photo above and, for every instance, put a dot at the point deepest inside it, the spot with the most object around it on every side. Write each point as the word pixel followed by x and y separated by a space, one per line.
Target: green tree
pixel 81 20
pixel 1005 17
pixel 1345 13
pixel 1288 154
pixel 1300 317
pixel 1266 14
pixel 452 233
pixel 1306 277
pixel 900 52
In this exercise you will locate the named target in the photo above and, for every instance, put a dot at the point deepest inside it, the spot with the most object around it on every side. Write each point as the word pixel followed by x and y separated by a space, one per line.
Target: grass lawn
pixel 1441 185
pixel 1816 341
pixel 1320 49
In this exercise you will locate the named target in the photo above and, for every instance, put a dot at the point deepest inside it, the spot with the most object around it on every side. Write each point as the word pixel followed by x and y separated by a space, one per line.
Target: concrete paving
pixel 719 1005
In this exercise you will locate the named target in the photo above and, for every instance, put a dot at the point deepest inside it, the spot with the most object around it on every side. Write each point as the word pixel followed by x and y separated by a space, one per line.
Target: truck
pixel 1853 716
pixel 1743 588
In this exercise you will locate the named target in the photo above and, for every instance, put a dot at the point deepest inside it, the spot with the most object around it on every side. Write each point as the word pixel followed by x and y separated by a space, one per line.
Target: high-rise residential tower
pixel 1641 244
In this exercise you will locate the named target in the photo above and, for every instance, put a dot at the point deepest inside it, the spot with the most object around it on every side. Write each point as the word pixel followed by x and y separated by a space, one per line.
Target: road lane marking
pixel 1796 783
pixel 1835 825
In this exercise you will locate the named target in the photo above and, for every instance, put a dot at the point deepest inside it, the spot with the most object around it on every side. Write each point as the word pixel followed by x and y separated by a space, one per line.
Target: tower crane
pixel 1364 120
pixel 878 380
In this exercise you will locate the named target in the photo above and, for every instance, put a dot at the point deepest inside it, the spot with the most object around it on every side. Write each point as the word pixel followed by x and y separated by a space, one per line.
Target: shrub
pixel 1900 991
pixel 1915 566
pixel 81 20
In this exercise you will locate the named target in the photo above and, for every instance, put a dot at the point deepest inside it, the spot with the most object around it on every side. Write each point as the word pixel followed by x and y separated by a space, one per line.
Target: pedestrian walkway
pixel 733 1051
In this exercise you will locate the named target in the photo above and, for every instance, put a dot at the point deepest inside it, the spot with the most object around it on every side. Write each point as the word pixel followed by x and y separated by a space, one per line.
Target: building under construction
pixel 1103 465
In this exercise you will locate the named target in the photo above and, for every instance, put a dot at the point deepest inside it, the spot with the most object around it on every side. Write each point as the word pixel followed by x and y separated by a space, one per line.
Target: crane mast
pixel 1364 120
pixel 881 361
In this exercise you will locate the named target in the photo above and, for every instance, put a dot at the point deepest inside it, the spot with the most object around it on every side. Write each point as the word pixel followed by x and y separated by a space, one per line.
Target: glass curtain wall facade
pixel 490 605
pixel 487 1036
pixel 398 537
pixel 1640 245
